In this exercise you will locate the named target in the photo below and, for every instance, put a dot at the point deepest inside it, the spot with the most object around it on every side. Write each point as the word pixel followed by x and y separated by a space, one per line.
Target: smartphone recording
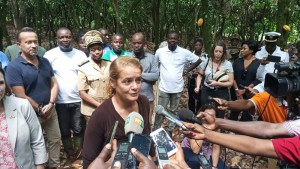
pixel 161 138
pixel 271 58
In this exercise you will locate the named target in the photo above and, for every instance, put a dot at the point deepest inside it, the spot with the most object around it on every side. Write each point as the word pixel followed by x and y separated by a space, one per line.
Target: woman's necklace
pixel 212 68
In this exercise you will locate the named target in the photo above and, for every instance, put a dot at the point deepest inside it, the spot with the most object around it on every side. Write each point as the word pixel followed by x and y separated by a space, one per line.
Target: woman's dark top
pixel 101 124
pixel 244 77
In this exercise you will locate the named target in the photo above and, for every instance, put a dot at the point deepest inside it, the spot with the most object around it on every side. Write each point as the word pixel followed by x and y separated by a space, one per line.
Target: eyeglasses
pixel 244 75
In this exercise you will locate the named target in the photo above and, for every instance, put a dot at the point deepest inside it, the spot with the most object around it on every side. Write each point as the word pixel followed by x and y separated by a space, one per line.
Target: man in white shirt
pixel 172 59
pixel 269 49
pixel 65 60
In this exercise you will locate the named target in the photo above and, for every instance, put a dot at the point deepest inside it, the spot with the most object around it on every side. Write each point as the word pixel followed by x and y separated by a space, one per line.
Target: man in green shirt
pixel 117 49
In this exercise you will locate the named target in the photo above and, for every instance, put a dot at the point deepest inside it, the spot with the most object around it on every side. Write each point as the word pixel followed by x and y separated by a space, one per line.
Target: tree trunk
pixel 206 32
pixel 115 6
pixel 3 7
pixel 18 12
pixel 1 36
pixel 283 17
pixel 156 20
pixel 38 23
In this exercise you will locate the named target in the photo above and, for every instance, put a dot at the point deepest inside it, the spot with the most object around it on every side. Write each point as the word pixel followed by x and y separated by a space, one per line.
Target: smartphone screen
pixel 161 138
pixel 162 153
pixel 273 58
pixel 203 160
pixel 162 156
pixel 123 148
pixel 142 143
pixel 122 154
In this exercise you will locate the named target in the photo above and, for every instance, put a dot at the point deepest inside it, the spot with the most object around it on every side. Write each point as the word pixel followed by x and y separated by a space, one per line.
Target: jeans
pixel 70 118
pixel 52 131
pixel 165 99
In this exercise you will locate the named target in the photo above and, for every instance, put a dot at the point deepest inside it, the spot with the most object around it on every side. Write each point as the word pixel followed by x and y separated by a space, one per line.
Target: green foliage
pixel 222 18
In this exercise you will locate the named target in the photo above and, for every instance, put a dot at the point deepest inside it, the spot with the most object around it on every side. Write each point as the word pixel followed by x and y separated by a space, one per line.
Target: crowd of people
pixel 72 97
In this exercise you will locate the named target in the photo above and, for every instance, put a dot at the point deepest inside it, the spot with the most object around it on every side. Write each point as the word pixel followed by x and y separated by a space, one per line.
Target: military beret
pixel 92 37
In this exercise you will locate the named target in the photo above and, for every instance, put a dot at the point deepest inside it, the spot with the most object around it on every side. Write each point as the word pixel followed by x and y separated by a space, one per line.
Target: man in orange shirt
pixel 269 108
pixel 264 105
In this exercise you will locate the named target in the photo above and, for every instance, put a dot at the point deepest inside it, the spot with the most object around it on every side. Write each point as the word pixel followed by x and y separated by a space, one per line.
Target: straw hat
pixel 221 76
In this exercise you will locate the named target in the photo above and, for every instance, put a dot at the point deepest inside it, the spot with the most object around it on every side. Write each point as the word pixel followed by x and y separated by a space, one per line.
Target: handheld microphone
pixel 188 116
pixel 134 124
pixel 160 110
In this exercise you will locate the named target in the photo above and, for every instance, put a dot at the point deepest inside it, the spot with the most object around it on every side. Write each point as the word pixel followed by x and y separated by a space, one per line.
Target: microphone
pixel 188 116
pixel 161 111
pixel 134 124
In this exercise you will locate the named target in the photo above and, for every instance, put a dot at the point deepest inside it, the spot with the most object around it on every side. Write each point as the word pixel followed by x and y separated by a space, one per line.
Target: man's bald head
pixel 64 38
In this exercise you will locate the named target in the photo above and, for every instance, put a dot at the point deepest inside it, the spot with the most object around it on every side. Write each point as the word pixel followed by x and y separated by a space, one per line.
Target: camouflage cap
pixel 235 36
pixel 92 37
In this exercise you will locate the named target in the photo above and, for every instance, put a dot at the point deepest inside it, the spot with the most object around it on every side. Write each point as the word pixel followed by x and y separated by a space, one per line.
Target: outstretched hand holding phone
pixel 106 156
pixel 222 104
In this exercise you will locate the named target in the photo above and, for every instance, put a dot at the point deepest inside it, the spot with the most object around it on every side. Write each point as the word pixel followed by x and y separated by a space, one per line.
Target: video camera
pixel 286 80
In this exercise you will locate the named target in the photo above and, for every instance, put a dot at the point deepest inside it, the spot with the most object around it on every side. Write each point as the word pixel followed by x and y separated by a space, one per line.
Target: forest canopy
pixel 221 18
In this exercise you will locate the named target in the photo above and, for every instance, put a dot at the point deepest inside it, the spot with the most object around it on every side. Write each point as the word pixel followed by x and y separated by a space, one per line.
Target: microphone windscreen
pixel 159 109
pixel 186 114
pixel 134 123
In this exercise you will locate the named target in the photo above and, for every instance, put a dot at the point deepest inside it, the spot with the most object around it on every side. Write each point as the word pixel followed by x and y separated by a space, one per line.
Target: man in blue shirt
pixel 31 77
pixel 106 36
pixel 150 68
pixel 4 60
